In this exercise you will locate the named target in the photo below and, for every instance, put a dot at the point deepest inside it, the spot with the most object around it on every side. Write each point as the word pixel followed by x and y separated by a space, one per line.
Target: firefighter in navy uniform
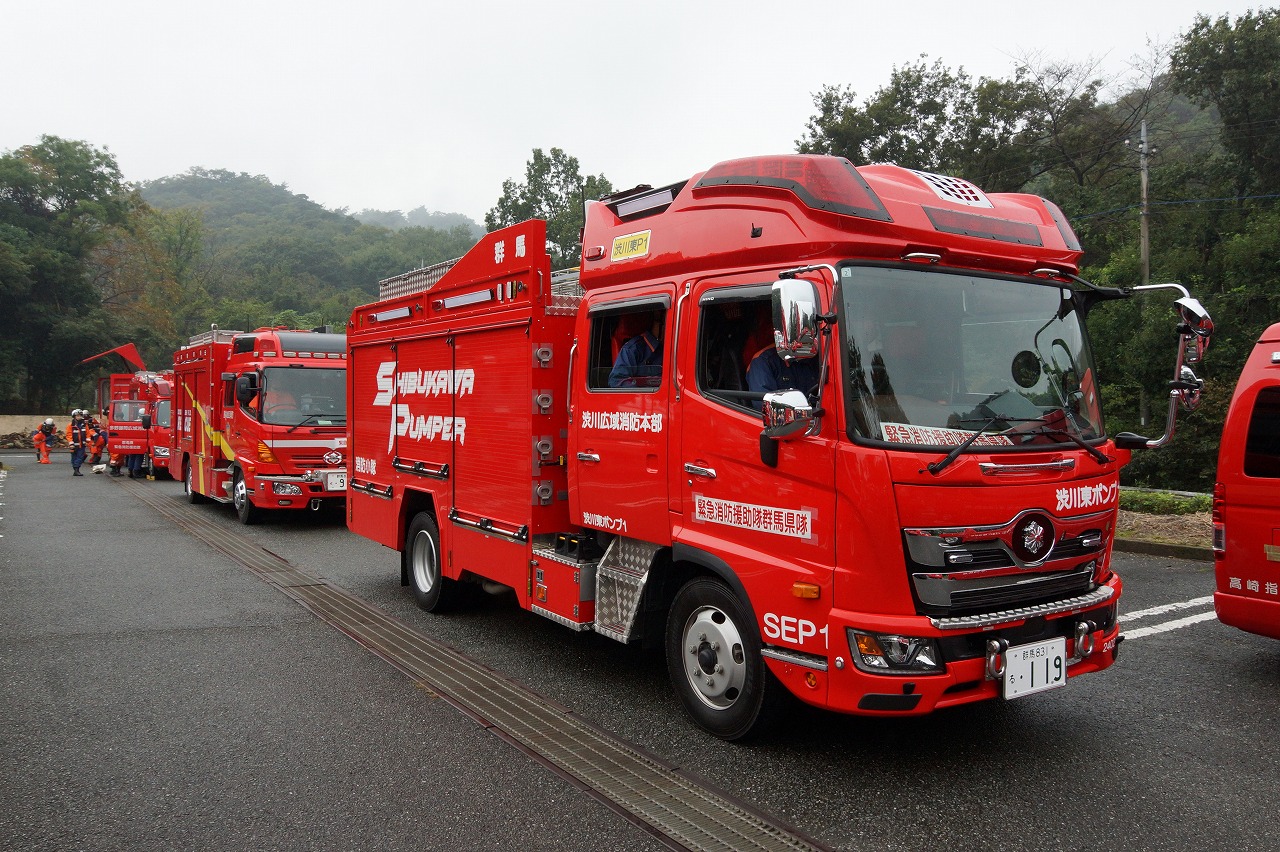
pixel 78 440
pixel 639 362
pixel 767 372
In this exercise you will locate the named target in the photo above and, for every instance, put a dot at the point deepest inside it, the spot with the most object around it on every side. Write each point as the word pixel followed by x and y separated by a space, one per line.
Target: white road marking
pixel 1169 625
pixel 1161 610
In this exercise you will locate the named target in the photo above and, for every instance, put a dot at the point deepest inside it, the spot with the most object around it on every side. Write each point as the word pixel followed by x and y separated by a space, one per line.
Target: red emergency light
pixel 821 183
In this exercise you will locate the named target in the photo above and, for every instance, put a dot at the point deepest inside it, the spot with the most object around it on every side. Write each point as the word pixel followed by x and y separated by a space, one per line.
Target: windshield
pixel 292 396
pixel 937 359
pixel 127 410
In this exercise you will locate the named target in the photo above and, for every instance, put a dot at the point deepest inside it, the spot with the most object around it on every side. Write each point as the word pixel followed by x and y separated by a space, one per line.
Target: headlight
pixel 287 488
pixel 880 653
pixel 161 452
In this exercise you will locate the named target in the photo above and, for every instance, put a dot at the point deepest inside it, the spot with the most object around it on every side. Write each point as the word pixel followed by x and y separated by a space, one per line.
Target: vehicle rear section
pixel 1246 498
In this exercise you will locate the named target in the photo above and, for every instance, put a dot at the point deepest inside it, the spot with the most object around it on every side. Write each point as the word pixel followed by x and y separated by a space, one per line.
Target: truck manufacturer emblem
pixel 1033 538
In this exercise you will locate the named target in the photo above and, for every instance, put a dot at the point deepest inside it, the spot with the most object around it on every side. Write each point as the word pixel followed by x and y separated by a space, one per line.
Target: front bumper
pixel 836 683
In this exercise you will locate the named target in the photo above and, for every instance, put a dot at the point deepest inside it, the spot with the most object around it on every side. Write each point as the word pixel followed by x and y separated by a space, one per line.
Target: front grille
pixel 961 571
pixel 1033 590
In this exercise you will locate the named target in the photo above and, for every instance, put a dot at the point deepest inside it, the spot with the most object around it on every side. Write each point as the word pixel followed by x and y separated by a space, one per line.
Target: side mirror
pixel 246 388
pixel 787 414
pixel 146 422
pixel 1197 326
pixel 795 318
pixel 1194 328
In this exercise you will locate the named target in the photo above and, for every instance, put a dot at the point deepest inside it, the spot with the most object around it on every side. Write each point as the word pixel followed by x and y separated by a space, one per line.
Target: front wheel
pixel 714 661
pixel 431 589
pixel 245 510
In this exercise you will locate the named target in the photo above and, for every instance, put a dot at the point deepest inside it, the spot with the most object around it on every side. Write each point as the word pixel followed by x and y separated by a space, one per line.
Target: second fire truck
pixel 260 419
pixel 809 428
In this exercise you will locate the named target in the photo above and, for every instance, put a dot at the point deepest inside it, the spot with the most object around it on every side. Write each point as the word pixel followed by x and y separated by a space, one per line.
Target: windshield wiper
pixel 1100 456
pixel 939 466
pixel 310 417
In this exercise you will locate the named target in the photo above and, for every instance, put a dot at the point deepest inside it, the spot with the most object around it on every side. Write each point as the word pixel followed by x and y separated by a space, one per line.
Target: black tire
pixel 431 589
pixel 714 661
pixel 188 481
pixel 245 510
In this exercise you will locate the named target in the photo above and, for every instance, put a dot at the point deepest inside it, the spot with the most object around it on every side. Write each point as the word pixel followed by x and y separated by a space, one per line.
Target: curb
pixel 1153 548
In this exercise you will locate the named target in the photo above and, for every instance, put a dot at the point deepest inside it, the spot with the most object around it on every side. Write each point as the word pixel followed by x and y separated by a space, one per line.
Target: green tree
pixel 60 202
pixel 555 191
pixel 1232 66
pixel 933 119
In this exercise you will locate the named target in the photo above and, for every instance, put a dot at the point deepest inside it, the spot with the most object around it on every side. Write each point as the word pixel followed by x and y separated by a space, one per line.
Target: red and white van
pixel 1246 497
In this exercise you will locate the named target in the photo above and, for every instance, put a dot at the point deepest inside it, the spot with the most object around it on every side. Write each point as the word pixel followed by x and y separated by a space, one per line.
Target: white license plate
pixel 335 482
pixel 1034 668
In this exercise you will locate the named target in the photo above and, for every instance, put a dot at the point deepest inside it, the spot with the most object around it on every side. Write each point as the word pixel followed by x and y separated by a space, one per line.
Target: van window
pixel 1262 447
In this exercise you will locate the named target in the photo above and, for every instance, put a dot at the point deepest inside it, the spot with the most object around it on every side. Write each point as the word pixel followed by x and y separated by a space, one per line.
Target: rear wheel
pixel 713 658
pixel 245 510
pixel 188 482
pixel 431 589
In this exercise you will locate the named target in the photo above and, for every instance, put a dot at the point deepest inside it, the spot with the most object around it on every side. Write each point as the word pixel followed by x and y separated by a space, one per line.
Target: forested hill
pixel 227 198
pixel 262 254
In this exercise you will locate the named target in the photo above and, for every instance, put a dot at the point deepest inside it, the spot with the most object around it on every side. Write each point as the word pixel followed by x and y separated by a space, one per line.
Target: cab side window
pixel 1262 447
pixel 627 348
pixel 732 332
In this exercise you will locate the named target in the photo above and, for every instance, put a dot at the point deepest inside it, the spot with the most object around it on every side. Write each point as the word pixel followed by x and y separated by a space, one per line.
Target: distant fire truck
pixel 154 391
pixel 260 419
pixel 810 428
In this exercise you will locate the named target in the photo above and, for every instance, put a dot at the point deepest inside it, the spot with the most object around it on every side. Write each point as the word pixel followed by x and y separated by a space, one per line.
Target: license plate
pixel 1034 668
pixel 335 482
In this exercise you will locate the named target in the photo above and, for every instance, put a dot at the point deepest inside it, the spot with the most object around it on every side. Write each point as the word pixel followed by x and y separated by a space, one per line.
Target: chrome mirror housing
pixel 788 414
pixel 795 318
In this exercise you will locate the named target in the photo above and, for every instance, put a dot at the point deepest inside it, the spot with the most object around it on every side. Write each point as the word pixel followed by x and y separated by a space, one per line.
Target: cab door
pixel 620 423
pixel 773 525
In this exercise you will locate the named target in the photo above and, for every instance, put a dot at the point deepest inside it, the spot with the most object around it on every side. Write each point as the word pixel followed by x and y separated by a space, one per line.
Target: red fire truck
pixel 260 419
pixel 155 392
pixel 810 428
pixel 1246 499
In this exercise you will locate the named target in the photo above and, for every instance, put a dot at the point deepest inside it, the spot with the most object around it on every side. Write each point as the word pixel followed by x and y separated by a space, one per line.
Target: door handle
pixel 589 457
pixel 698 470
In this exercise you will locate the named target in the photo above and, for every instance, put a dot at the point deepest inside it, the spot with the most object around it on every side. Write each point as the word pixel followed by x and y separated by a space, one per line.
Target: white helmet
pixel 48 421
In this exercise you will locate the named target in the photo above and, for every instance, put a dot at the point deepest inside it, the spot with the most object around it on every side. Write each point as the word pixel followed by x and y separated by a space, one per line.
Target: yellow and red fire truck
pixel 260 419
pixel 810 428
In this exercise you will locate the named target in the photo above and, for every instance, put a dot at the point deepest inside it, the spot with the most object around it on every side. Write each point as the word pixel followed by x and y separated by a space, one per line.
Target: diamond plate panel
pixel 620 581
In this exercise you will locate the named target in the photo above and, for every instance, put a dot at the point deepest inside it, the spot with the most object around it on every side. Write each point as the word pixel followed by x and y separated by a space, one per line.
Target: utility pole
pixel 1144 217
pixel 1144 242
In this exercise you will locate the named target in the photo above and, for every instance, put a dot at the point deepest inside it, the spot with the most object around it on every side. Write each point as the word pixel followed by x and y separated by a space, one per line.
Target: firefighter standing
pixel 78 440
pixel 45 436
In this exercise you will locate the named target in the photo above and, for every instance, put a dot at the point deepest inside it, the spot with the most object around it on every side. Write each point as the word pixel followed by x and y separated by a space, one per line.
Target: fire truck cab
pixel 1246 497
pixel 810 428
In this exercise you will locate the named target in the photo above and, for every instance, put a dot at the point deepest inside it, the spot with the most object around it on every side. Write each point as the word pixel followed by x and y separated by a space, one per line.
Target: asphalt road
pixel 156 695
